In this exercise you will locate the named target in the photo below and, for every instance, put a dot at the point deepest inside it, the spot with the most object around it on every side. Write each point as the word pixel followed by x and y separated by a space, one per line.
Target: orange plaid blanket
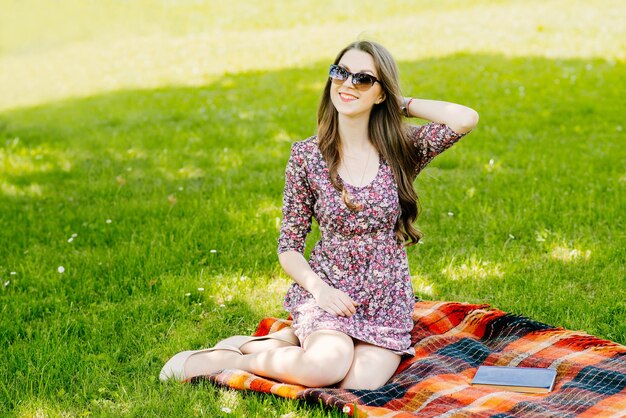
pixel 451 340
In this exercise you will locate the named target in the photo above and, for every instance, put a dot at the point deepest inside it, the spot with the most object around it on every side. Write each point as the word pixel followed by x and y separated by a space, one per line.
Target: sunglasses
pixel 360 81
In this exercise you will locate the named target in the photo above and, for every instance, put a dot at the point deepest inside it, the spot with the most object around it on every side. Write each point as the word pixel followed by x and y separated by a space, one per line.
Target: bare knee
pixel 327 361
pixel 371 367
pixel 320 372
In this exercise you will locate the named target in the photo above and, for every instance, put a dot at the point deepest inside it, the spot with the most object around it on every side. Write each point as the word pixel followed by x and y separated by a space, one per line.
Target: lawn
pixel 142 153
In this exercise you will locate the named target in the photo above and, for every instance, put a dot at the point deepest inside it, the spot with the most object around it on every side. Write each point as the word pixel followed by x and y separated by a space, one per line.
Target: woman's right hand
pixel 331 300
pixel 335 301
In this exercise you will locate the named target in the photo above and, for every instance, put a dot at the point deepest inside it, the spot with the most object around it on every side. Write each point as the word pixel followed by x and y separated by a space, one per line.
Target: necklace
pixel 362 175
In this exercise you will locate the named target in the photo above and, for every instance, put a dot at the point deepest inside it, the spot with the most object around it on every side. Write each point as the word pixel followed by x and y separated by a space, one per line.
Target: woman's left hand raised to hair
pixel 459 118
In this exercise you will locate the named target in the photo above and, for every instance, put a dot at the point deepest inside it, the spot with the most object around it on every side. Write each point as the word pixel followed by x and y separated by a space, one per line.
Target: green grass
pixel 147 192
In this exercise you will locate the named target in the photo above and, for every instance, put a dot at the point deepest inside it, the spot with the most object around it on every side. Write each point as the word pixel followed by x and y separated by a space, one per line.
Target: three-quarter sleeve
pixel 298 201
pixel 431 140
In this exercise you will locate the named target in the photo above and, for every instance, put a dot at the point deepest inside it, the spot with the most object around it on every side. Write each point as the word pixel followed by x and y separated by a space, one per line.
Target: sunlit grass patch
pixel 423 286
pixel 22 167
pixel 474 269
pixel 567 255
pixel 16 160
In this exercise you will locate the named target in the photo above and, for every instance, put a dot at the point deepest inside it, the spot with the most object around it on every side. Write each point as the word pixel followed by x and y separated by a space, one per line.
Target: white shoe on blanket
pixel 175 367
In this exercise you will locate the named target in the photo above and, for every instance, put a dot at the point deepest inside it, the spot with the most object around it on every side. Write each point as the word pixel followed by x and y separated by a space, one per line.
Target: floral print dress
pixel 358 252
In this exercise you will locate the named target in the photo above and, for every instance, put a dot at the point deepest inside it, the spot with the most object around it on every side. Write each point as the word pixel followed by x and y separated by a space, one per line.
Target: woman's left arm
pixel 459 118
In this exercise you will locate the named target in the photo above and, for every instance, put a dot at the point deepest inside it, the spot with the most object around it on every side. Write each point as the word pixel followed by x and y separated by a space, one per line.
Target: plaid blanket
pixel 451 340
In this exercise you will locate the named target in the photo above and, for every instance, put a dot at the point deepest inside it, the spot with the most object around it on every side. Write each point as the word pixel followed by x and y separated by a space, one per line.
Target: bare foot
pixel 202 364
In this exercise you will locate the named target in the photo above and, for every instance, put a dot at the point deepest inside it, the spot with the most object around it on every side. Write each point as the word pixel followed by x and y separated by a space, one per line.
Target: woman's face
pixel 345 97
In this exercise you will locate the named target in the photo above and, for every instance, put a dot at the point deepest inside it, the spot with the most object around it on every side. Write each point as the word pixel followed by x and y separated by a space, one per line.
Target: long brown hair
pixel 388 133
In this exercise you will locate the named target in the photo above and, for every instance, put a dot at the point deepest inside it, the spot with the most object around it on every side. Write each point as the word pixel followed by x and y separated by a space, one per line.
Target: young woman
pixel 352 301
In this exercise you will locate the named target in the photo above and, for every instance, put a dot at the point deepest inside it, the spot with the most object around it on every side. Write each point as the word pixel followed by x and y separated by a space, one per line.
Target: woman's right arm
pixel 298 203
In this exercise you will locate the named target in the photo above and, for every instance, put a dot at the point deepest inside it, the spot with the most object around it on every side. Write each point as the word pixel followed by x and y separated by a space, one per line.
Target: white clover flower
pixel 61 269
pixel 108 221
pixel 226 410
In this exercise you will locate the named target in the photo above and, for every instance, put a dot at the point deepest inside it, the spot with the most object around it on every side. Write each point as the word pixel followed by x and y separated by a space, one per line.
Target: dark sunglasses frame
pixel 360 81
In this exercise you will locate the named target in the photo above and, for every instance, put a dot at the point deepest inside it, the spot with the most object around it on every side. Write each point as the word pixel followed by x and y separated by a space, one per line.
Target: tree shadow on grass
pixel 171 184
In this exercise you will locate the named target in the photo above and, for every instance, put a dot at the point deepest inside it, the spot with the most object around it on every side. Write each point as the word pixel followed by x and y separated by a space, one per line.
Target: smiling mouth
pixel 346 97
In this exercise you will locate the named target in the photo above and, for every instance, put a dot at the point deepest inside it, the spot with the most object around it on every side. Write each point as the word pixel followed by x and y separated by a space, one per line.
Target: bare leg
pixel 323 361
pixel 372 366
pixel 204 363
